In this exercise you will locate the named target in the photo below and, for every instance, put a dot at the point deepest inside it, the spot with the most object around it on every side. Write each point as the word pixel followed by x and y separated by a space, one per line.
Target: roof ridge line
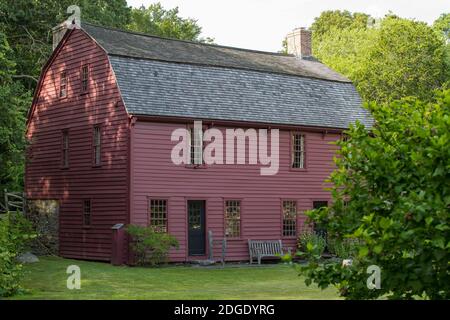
pixel 189 41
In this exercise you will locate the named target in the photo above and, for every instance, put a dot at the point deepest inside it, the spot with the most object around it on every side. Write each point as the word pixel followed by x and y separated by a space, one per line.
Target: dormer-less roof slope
pixel 174 78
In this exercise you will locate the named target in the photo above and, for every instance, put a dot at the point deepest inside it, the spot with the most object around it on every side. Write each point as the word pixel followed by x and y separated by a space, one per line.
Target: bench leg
pixel 259 259
pixel 251 259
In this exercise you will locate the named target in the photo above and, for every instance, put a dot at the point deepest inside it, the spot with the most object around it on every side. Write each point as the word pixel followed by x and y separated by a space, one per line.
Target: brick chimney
pixel 299 43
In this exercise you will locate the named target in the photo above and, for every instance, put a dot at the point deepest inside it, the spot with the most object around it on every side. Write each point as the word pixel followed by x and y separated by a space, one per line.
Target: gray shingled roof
pixel 166 77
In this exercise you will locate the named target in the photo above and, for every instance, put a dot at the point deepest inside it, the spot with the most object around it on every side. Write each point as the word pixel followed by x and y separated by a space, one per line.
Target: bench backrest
pixel 265 247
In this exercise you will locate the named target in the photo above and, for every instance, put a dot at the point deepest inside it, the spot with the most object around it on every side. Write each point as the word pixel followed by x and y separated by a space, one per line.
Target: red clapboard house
pixel 100 131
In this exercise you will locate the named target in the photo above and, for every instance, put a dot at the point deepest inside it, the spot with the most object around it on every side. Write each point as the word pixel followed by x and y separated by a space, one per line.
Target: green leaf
pixel 363 252
pixel 378 248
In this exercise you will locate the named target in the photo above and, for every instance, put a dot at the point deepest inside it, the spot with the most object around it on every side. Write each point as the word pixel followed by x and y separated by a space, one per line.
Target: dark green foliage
pixel 158 21
pixel 14 102
pixel 397 182
pixel 150 246
pixel 15 233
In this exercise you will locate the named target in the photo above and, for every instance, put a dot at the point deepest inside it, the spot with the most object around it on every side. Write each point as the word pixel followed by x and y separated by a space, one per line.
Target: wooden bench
pixel 264 248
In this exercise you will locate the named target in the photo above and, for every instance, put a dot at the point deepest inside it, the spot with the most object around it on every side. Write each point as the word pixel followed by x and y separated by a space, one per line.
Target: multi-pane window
pixel 232 218
pixel 65 149
pixel 97 145
pixel 63 84
pixel 298 150
pixel 289 218
pixel 196 145
pixel 158 214
pixel 84 78
pixel 87 212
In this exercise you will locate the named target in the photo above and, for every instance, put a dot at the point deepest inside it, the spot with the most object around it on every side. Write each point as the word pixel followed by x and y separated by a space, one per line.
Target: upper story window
pixel 196 146
pixel 87 212
pixel 97 145
pixel 232 218
pixel 289 218
pixel 298 150
pixel 84 78
pixel 63 84
pixel 65 149
pixel 158 214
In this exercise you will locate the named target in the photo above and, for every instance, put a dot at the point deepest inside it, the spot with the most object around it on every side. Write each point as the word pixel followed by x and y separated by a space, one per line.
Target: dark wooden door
pixel 196 227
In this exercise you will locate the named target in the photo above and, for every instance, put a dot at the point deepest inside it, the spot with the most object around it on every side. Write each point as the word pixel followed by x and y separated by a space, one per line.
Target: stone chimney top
pixel 299 42
pixel 58 33
pixel 72 22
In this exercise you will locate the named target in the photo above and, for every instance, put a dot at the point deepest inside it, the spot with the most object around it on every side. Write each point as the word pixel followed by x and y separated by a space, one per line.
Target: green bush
pixel 15 233
pixel 309 241
pixel 343 248
pixel 151 246
pixel 397 179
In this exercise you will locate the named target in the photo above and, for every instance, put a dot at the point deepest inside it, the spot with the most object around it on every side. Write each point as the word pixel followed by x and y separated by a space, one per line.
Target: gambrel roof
pixel 174 78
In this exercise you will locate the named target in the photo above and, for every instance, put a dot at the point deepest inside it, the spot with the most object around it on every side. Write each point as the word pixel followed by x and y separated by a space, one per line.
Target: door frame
pixel 188 255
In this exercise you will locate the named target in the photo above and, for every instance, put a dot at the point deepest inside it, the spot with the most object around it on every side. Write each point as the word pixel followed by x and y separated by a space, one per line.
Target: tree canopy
pixel 158 21
pixel 14 101
pixel 388 60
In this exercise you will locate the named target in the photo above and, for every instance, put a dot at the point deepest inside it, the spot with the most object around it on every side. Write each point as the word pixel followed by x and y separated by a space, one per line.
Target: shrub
pixel 15 232
pixel 309 241
pixel 343 248
pixel 151 246
pixel 391 192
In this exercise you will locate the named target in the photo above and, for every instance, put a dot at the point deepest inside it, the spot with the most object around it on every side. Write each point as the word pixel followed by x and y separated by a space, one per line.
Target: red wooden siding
pixel 106 186
pixel 153 175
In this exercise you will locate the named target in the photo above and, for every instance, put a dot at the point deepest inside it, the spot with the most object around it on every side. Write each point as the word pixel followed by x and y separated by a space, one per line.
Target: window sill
pixel 298 169
pixel 288 237
pixel 195 166
pixel 234 238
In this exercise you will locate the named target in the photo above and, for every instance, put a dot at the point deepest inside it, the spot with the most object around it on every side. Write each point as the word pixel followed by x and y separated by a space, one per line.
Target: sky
pixel 262 24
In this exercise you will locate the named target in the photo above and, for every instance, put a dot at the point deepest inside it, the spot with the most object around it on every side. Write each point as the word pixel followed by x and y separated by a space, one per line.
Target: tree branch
pixel 24 76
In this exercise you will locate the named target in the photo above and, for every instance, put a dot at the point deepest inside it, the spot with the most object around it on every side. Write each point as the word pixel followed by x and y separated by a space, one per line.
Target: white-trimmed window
pixel 196 146
pixel 65 149
pixel 84 78
pixel 298 150
pixel 232 218
pixel 158 214
pixel 96 145
pixel 63 84
pixel 289 218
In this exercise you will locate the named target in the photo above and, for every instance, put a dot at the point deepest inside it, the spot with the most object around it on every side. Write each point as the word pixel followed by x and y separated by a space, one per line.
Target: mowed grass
pixel 47 280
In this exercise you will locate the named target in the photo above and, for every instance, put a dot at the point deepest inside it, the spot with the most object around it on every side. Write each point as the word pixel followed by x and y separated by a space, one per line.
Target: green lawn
pixel 47 280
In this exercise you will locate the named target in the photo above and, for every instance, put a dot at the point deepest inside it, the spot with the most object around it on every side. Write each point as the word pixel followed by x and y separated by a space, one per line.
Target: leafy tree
pixel 391 194
pixel 158 21
pixel 330 20
pixel 28 24
pixel 14 101
pixel 442 24
pixel 398 58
